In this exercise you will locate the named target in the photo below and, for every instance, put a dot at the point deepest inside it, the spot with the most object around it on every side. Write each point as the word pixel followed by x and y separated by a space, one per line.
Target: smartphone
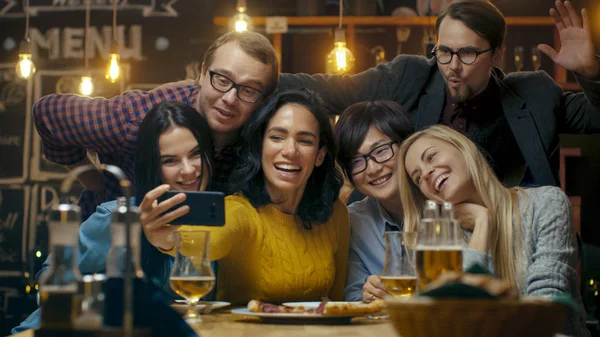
pixel 206 208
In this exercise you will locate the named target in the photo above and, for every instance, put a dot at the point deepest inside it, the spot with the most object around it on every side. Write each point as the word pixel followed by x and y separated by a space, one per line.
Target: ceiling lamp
pixel 25 67
pixel 113 70
pixel 86 87
pixel 340 60
pixel 241 22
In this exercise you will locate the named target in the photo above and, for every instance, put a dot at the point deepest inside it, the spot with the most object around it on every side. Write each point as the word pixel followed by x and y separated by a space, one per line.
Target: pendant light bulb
pixel 340 60
pixel 86 87
pixel 241 21
pixel 25 67
pixel 113 70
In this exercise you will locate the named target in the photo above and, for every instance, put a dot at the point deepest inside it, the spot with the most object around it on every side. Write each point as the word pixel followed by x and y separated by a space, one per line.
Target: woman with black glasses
pixel 368 135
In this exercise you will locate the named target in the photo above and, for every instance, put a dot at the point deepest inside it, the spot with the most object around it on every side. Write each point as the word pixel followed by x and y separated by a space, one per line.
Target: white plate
pixel 201 307
pixel 297 318
pixel 307 305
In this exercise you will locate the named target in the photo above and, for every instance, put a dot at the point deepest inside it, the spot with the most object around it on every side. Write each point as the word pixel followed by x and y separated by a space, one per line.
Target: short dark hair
pixel 159 119
pixel 325 182
pixel 353 125
pixel 481 16
pixel 253 44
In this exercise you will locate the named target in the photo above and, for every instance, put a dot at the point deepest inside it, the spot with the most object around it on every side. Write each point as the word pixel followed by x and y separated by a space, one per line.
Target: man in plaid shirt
pixel 239 71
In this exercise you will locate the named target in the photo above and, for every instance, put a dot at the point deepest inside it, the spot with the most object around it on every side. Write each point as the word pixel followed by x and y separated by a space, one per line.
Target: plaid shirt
pixel 70 125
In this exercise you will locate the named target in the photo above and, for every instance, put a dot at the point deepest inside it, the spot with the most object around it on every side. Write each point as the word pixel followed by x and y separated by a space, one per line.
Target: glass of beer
pixel 398 276
pixel 192 276
pixel 438 249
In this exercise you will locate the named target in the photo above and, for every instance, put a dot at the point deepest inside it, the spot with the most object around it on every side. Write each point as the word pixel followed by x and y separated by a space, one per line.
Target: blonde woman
pixel 523 235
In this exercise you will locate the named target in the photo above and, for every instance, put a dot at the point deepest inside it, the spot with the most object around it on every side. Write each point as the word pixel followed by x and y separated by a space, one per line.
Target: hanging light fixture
pixel 86 87
pixel 340 60
pixel 113 71
pixel 240 22
pixel 25 67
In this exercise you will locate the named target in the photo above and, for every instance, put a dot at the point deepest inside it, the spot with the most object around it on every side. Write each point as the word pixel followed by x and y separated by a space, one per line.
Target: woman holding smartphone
pixel 286 234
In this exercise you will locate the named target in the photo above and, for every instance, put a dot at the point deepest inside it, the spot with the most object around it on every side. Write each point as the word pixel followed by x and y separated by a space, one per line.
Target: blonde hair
pixel 502 203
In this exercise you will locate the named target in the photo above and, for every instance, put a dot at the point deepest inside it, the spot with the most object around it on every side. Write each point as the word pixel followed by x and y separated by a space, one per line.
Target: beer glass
pixel 438 249
pixel 192 276
pixel 398 276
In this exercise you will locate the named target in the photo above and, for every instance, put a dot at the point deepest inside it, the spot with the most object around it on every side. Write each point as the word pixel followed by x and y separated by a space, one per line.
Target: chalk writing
pixel 14 8
pixel 9 222
pixel 10 140
pixel 68 42
pixel 8 256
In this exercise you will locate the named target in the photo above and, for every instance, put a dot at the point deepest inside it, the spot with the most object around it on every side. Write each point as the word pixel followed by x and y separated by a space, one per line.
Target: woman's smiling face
pixel 290 150
pixel 440 171
pixel 180 159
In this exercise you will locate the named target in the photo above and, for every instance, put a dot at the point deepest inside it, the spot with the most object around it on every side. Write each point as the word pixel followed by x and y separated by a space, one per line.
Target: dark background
pixel 304 49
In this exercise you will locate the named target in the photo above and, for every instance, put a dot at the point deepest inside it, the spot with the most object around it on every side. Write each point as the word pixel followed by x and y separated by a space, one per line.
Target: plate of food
pixel 203 307
pixel 308 312
pixel 313 305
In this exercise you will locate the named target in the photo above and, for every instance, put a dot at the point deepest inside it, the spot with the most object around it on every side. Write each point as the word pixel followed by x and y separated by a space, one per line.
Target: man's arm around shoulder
pixel 382 82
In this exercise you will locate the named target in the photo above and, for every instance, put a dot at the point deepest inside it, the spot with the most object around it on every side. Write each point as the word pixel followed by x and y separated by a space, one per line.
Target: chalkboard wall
pixel 15 98
pixel 14 212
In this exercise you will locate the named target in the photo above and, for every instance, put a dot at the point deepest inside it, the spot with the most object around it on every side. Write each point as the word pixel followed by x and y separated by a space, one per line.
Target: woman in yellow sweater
pixel 286 234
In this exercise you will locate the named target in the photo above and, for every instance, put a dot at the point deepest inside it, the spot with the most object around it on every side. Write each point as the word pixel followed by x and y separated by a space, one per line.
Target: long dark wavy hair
pixel 323 186
pixel 159 119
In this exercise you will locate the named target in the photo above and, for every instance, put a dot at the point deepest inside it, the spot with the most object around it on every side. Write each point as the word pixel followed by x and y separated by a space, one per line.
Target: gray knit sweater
pixel 549 251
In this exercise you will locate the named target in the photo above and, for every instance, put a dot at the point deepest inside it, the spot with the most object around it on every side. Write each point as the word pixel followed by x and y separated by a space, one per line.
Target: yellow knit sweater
pixel 267 255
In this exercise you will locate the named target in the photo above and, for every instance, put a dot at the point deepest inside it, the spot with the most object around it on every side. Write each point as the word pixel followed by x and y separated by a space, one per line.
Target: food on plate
pixel 259 306
pixel 325 308
pixel 340 308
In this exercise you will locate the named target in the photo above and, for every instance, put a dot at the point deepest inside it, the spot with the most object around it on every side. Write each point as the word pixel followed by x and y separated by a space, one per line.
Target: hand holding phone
pixel 206 208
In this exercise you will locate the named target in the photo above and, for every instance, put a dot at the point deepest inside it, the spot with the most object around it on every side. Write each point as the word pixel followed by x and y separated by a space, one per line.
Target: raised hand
pixel 577 52
pixel 476 218
pixel 470 214
pixel 155 223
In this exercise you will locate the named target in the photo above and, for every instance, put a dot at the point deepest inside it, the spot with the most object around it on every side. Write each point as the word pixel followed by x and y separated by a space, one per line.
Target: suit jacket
pixel 536 108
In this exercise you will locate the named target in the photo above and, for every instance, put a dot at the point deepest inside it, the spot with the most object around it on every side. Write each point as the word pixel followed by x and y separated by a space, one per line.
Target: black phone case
pixel 206 208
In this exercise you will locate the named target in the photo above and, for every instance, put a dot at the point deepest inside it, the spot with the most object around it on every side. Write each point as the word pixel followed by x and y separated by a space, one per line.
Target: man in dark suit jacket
pixel 515 119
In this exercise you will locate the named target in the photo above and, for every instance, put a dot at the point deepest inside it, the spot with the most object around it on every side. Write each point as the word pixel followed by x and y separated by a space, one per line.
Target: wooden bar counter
pixel 224 324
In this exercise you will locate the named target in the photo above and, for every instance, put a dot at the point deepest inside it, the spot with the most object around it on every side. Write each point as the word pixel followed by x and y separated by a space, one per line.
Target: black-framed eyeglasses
pixel 224 84
pixel 380 155
pixel 465 55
